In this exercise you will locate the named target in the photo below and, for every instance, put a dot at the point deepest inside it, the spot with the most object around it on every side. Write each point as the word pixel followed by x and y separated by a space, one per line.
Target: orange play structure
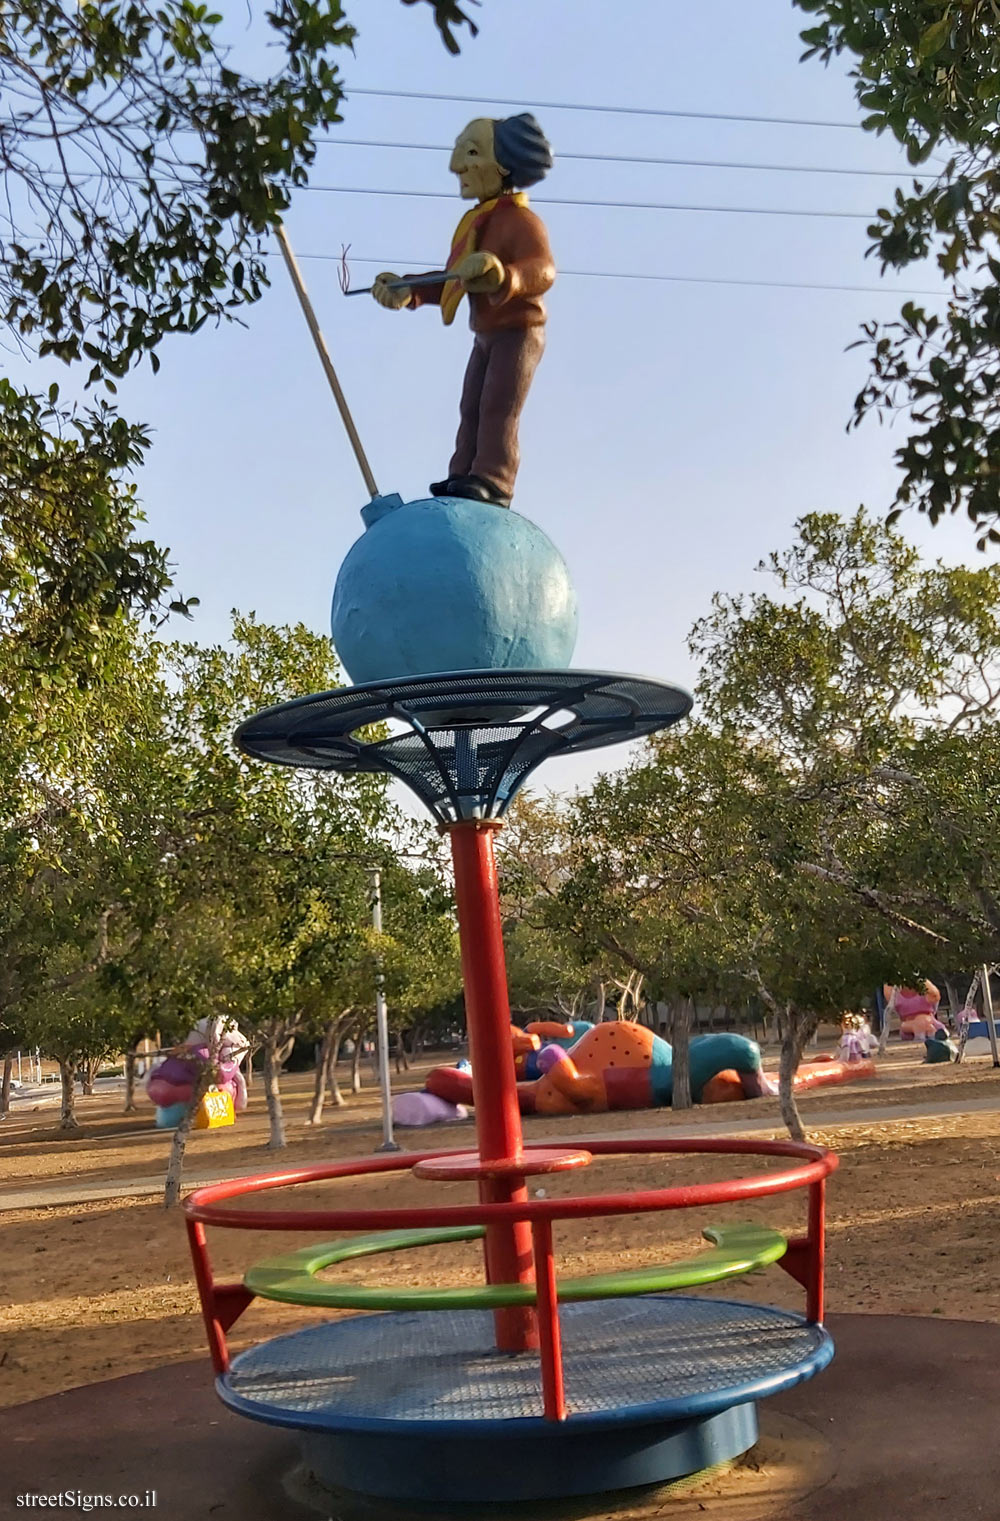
pixel 592 1069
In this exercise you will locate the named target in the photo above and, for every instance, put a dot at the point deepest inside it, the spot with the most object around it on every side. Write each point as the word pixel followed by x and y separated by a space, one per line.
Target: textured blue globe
pixel 451 585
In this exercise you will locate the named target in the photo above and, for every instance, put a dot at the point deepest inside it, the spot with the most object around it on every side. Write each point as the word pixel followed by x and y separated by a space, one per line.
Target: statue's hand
pixel 480 273
pixel 395 300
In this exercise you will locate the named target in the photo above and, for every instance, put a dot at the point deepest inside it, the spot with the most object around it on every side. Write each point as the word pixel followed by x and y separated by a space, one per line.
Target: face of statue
pixel 480 177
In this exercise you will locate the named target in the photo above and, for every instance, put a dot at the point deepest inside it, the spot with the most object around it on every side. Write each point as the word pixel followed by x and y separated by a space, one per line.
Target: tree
pixel 287 847
pixel 12 1039
pixel 548 966
pixel 70 561
pixel 927 71
pixel 144 173
pixel 866 656
pixel 783 846
pixel 865 692
pixel 145 169
pixel 72 787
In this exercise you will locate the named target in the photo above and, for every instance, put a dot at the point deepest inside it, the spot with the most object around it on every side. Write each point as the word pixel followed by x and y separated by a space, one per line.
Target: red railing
pixel 223 1304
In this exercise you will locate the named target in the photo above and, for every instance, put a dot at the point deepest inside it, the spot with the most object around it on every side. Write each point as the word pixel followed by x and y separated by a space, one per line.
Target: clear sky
pixel 674 431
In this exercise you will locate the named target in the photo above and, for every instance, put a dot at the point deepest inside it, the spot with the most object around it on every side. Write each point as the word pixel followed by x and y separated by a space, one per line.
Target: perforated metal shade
pixel 471 739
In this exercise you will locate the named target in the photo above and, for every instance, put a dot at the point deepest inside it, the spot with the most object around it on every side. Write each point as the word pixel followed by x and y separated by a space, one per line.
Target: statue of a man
pixel 500 258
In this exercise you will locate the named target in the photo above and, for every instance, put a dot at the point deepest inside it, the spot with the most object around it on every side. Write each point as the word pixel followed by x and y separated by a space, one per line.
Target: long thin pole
pixel 991 1028
pixel 325 360
pixel 389 1142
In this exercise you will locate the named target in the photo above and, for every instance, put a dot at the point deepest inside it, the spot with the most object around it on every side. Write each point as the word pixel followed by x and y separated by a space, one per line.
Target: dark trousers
pixel 497 379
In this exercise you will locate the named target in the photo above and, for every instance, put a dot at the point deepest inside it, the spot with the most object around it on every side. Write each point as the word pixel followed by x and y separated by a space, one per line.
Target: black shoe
pixel 441 488
pixel 475 489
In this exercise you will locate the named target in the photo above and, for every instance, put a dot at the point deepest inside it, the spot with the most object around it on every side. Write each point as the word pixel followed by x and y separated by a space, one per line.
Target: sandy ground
pixel 95 1290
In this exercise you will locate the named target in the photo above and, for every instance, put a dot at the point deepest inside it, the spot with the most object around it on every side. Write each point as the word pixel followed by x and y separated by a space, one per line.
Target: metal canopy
pixel 470 738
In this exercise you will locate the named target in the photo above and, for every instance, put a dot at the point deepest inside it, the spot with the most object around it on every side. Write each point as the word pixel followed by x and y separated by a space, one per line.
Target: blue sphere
pixel 451 585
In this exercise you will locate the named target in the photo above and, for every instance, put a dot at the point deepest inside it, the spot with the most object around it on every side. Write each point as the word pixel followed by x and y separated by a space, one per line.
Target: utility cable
pixel 563 105
pixel 607 274
pixel 633 158
pixel 549 200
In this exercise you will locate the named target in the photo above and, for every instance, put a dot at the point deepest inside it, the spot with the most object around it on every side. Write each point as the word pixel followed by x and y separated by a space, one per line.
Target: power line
pixel 445 195
pixel 606 274
pixel 549 200
pixel 630 158
pixel 562 105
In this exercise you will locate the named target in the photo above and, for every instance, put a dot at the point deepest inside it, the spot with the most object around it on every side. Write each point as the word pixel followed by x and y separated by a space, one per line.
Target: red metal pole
pixel 206 1293
pixel 494 1083
pixel 817 1251
pixel 550 1348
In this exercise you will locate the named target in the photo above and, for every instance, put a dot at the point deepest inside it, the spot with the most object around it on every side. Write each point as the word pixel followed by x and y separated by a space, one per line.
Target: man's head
pixel 492 156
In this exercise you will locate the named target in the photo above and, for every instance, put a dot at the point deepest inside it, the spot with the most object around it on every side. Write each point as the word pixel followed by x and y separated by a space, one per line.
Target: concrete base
pixel 857 1454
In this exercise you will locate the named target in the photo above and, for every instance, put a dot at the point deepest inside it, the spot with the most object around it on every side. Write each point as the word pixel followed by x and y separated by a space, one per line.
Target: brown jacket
pixel 519 240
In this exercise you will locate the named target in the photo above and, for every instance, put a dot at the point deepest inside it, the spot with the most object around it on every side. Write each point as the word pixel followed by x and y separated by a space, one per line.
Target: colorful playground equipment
pixel 457 616
pixel 527 1385
pixel 590 1069
pixel 171 1082
pixel 569 1386
pixel 916 1008
pixel 857 1043
pixel 530 1042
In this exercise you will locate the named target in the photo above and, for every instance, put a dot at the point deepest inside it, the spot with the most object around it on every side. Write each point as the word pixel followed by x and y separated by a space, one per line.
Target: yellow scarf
pixel 464 242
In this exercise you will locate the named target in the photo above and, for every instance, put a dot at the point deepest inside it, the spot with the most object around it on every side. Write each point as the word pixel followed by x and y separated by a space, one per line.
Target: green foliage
pixel 152 876
pixel 868 686
pixel 925 70
pixel 152 166
pixel 829 823
pixel 144 173
pixel 550 968
pixel 862 643
pixel 928 71
pixel 71 561
pixel 145 170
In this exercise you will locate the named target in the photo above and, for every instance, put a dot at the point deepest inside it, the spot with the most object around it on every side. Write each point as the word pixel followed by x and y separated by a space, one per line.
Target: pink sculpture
pixel 917 1010
pixel 172 1081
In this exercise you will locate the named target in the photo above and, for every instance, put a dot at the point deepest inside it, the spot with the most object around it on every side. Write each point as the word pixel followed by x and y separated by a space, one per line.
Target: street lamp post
pixel 389 1142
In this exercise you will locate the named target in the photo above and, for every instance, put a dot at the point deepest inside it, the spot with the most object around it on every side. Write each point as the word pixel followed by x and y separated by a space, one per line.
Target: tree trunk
pixel 272 1092
pixel 319 1078
pixel 175 1162
pixel 796 1031
pixel 130 1060
pixel 337 1098
pixel 402 1064
pixel 326 1063
pixel 8 1068
pixel 888 1008
pixel 953 1004
pixel 90 1067
pixel 680 1036
pixel 356 1061
pixel 602 999
pixel 67 1077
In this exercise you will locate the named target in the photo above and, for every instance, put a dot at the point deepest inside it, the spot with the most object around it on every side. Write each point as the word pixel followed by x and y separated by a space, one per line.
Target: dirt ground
pixel 94 1290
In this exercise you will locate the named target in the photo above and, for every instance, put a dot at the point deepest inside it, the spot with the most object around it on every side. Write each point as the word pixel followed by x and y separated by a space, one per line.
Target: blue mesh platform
pixel 658 1357
pixel 422 1408
pixel 470 739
